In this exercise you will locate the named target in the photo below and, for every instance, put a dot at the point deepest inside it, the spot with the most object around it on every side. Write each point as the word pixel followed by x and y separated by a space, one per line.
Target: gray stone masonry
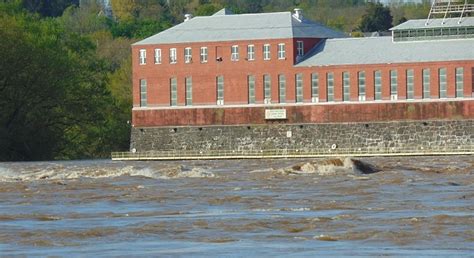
pixel 414 134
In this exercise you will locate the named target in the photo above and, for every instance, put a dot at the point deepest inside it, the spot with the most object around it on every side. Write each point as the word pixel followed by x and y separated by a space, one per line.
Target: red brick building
pixel 246 69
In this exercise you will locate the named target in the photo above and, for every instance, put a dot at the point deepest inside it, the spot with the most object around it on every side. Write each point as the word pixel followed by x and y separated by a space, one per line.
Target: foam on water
pixel 61 172
pixel 330 167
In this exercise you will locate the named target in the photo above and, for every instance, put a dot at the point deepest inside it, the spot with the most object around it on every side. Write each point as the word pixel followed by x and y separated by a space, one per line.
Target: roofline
pixel 435 19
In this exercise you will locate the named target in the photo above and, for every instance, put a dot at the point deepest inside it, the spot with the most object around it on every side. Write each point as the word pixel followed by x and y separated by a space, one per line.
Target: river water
pixel 417 206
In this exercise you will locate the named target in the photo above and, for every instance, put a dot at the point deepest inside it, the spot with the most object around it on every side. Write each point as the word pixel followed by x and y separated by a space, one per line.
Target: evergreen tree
pixel 376 18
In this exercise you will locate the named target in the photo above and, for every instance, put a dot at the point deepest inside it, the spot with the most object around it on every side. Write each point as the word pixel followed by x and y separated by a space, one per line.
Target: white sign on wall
pixel 275 114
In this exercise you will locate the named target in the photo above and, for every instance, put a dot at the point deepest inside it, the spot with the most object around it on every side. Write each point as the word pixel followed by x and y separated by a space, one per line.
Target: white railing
pixel 294 153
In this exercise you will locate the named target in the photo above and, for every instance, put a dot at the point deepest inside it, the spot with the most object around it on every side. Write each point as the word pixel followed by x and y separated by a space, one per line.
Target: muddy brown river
pixel 413 206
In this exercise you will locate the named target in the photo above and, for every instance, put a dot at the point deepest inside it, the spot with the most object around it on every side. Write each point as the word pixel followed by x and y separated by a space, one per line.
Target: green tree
pixel 52 8
pixel 376 18
pixel 52 90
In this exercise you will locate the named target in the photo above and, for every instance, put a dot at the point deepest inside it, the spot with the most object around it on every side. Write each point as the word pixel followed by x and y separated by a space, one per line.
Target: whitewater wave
pixel 331 167
pixel 62 172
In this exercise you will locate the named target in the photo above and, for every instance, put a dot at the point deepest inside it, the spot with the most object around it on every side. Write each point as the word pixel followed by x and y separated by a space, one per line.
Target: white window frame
pixel 361 80
pixel 267 89
pixel 234 56
pixel 220 90
pixel 143 93
pixel 251 52
pixel 204 54
pixel 299 88
pixel 281 51
pixel 426 83
pixel 330 87
pixel 459 82
pixel 251 88
pixel 188 83
pixel 377 85
pixel 300 48
pixel 282 88
pixel 158 56
pixel 315 87
pixel 188 55
pixel 410 77
pixel 173 91
pixel 266 52
pixel 443 82
pixel 346 86
pixel 142 57
pixel 173 56
pixel 393 84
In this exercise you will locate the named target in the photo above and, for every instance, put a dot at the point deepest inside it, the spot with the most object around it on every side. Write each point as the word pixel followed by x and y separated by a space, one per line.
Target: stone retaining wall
pixel 306 136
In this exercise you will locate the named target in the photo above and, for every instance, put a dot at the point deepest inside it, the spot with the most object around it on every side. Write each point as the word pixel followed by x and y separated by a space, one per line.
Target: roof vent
pixel 298 14
pixel 188 17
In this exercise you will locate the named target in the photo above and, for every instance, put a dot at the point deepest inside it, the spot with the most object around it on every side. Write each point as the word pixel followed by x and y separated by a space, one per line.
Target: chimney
pixel 298 14
pixel 188 17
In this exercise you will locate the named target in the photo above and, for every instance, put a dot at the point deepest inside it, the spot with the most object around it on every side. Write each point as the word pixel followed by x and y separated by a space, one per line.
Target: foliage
pixel 376 18
pixel 52 8
pixel 53 92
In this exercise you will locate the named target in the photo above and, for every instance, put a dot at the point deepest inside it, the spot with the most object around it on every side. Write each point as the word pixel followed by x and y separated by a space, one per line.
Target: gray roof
pixel 436 23
pixel 381 50
pixel 229 27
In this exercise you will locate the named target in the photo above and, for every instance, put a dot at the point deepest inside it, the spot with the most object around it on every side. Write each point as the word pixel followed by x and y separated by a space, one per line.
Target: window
pixel 251 84
pixel 174 91
pixel 393 85
pixel 330 86
pixel 235 53
pixel 410 84
pixel 204 55
pixel 426 83
pixel 442 83
pixel 281 51
pixel 267 89
pixel 361 76
pixel 282 87
pixel 188 55
pixel 157 56
pixel 189 91
pixel 299 88
pixel 314 87
pixel 459 82
pixel 251 52
pixel 220 90
pixel 346 85
pixel 266 52
pixel 300 48
pixel 173 56
pixel 142 56
pixel 378 85
pixel 143 97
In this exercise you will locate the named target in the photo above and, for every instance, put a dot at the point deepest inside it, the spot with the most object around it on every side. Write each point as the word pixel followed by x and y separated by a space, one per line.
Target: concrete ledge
pixel 285 153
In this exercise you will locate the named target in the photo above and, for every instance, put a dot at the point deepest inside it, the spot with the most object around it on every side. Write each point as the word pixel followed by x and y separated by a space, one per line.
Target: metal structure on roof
pixel 450 8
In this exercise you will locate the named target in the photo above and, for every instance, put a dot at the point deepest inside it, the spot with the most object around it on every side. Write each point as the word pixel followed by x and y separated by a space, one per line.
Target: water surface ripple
pixel 413 206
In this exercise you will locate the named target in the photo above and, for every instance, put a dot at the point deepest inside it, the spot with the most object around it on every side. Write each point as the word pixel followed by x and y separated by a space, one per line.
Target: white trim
pixel 158 56
pixel 142 57
pixel 310 103
pixel 173 56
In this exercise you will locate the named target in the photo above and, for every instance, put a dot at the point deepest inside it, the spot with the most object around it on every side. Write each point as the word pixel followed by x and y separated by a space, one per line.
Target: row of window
pixel 235 53
pixel 315 85
pixel 433 33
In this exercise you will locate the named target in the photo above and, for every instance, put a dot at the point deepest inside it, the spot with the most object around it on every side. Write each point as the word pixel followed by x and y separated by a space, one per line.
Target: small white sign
pixel 289 134
pixel 275 114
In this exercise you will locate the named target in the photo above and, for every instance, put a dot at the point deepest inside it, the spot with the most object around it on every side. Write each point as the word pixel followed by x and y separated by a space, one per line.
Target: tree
pixel 376 18
pixel 52 91
pixel 52 8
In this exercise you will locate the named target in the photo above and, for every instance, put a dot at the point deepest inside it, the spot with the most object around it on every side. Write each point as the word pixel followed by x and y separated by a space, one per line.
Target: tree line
pixel 65 65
